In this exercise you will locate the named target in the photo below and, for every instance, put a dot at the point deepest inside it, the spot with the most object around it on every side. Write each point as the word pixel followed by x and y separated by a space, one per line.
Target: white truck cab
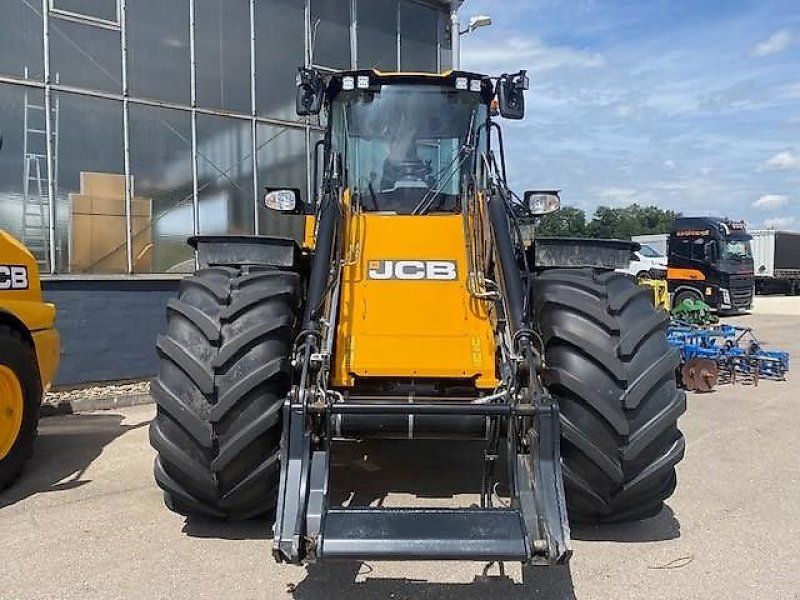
pixel 646 262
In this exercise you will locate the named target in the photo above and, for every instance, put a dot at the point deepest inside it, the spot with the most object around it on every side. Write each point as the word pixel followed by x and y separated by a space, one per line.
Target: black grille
pixel 741 289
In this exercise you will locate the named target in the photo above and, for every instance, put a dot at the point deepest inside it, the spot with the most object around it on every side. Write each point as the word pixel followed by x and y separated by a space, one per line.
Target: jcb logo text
pixel 13 277
pixel 437 270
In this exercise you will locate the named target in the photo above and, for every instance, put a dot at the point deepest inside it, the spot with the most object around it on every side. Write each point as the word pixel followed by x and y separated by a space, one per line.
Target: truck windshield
pixel 648 251
pixel 403 146
pixel 736 250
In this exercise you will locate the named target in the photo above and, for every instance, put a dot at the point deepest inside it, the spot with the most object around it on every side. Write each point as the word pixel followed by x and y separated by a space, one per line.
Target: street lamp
pixel 455 26
pixel 476 22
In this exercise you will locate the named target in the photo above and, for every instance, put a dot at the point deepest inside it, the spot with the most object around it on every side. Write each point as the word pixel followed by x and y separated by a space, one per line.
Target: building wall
pixel 130 125
pixel 108 327
pixel 167 118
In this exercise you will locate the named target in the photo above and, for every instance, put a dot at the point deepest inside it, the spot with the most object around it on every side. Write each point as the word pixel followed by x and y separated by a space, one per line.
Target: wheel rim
pixel 11 407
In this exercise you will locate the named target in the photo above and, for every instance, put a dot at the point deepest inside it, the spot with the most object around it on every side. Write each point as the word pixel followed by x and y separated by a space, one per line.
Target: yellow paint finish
pixel 420 328
pixel 26 307
pixel 309 232
pixel 685 274
pixel 48 354
pixel 11 408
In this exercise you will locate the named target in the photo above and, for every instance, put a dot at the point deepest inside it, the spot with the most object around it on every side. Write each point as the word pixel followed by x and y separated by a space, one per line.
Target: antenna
pixel 314 39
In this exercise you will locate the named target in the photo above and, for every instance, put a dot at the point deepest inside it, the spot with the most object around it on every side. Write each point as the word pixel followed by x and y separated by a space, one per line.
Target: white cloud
pixel 779 222
pixel 669 164
pixel 618 196
pixel 530 53
pixel 783 161
pixel 777 42
pixel 790 91
pixel 771 201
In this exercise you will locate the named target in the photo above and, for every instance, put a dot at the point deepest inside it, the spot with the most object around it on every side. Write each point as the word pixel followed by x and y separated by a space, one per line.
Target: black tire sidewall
pixel 19 357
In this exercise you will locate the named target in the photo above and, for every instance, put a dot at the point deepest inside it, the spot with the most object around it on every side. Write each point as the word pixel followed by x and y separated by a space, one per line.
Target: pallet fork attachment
pixel 533 529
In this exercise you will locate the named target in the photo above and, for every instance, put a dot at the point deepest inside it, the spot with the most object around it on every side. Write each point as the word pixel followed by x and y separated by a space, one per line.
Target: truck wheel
pixel 609 365
pixel 685 295
pixel 20 397
pixel 224 373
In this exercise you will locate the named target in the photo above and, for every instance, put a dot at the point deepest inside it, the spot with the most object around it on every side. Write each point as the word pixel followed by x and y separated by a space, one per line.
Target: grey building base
pixel 83 405
pixel 108 326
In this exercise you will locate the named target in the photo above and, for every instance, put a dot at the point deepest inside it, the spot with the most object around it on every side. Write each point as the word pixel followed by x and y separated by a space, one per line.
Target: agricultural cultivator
pixel 723 353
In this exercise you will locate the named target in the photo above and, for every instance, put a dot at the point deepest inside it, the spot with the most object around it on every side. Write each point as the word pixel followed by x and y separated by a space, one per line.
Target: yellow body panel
pixel 405 308
pixel 25 306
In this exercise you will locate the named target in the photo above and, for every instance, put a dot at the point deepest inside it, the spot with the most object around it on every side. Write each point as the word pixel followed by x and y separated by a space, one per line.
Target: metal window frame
pixel 50 9
pixel 77 17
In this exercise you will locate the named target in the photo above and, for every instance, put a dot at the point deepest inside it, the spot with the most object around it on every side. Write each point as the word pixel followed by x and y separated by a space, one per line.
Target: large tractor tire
pixel 224 374
pixel 608 363
pixel 20 398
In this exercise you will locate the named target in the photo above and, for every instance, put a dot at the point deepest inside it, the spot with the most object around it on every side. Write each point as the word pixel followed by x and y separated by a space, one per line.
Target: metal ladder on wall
pixel 36 192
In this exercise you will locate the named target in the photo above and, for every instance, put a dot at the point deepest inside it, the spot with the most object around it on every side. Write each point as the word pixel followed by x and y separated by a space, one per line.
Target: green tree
pixel 566 222
pixel 623 223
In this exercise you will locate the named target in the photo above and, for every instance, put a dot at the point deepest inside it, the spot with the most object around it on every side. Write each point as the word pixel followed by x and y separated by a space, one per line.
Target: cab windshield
pixel 736 250
pixel 403 147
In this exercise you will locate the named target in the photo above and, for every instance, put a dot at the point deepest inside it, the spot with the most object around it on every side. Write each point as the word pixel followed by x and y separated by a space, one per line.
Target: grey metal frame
pixel 49 86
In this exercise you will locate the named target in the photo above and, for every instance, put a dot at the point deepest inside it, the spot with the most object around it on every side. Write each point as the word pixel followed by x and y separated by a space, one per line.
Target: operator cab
pixel 407 148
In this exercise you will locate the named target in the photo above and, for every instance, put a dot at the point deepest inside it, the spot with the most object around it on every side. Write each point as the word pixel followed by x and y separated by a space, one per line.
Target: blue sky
pixel 689 105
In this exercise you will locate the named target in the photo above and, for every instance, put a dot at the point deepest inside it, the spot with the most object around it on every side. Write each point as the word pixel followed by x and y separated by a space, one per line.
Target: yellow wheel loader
pixel 415 308
pixel 29 354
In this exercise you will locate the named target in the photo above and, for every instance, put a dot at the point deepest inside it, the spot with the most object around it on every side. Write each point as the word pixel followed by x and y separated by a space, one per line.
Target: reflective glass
pixel 90 196
pixel 280 47
pixel 85 55
pixel 159 63
pixel 330 26
pixel 21 39
pixel 97 9
pixel 24 205
pixel 162 207
pixel 377 35
pixel 222 52
pixel 225 175
pixel 419 26
pixel 281 163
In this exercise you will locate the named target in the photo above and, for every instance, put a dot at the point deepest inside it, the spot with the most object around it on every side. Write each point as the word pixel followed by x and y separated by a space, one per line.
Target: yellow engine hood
pixel 405 309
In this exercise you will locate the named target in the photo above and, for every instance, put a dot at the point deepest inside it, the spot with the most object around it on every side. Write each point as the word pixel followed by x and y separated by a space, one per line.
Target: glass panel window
pixel 225 175
pixel 159 63
pixel 103 10
pixel 330 27
pixel 419 26
pixel 280 48
pixel 162 207
pixel 377 35
pixel 90 196
pixel 397 161
pixel 21 39
pixel 84 55
pixel 24 200
pixel 223 54
pixel 281 164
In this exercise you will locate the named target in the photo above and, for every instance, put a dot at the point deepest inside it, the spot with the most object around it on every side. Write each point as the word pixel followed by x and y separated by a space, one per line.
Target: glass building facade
pixel 130 125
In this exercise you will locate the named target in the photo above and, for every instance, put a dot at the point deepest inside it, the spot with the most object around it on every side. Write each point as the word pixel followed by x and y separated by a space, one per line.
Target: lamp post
pixel 456 32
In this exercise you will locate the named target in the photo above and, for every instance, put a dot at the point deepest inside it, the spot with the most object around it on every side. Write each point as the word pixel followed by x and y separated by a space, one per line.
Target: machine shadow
pixel 339 580
pixel 664 526
pixel 64 449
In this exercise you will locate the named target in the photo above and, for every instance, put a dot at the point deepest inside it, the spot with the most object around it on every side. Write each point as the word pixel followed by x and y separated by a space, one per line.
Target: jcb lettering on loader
pixel 437 270
pixel 13 277
pixel 274 351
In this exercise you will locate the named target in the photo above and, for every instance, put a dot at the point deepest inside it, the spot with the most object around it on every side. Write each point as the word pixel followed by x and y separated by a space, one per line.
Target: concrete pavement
pixel 86 520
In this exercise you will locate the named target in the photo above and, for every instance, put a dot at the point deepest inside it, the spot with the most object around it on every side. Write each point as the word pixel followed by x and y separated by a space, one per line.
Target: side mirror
pixel 310 92
pixel 542 203
pixel 511 94
pixel 285 200
pixel 711 252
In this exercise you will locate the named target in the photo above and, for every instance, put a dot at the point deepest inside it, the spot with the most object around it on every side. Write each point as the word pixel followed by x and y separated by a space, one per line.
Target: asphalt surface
pixel 86 520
